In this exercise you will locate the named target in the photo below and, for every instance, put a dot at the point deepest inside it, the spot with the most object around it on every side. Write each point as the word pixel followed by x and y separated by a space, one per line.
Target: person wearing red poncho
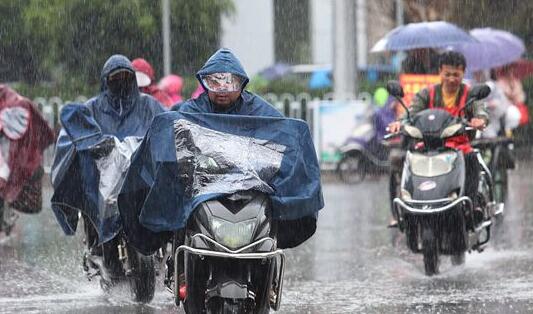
pixel 24 135
pixel 144 72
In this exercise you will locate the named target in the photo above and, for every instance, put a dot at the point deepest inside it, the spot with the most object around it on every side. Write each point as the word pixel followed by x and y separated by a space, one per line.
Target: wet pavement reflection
pixel 353 264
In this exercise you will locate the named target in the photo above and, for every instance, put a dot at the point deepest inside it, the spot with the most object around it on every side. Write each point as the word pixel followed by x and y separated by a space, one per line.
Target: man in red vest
pixel 451 95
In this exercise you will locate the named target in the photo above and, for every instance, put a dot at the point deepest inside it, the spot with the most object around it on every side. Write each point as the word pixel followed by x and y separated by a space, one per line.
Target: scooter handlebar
pixel 391 135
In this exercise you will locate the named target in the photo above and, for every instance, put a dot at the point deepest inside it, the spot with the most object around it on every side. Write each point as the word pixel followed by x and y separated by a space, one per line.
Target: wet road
pixel 349 266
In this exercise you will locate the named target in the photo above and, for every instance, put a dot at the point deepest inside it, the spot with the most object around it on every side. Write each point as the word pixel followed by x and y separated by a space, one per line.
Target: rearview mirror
pixel 479 91
pixel 395 89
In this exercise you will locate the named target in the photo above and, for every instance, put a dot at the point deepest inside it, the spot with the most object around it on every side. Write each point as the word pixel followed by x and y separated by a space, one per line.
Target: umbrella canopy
pixel 276 71
pixel 422 35
pixel 493 48
pixel 320 79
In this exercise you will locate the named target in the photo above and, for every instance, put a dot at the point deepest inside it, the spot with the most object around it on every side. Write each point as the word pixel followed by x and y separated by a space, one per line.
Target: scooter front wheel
pixel 430 251
pixel 458 259
pixel 142 277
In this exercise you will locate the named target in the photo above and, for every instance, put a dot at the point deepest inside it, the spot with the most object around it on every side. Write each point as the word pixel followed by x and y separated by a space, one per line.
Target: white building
pixel 249 33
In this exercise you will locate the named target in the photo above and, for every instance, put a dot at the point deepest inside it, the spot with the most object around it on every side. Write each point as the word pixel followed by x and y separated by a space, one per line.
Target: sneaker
pixel 393 224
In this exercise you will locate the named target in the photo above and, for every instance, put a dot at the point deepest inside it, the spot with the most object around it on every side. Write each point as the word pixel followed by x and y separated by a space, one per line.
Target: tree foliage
pixel 515 16
pixel 66 40
pixel 17 56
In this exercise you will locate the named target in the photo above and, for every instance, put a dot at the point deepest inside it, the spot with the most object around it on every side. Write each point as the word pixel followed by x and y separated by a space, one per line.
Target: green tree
pixel 195 27
pixel 515 16
pixel 291 31
pixel 78 36
pixel 17 58
pixel 68 41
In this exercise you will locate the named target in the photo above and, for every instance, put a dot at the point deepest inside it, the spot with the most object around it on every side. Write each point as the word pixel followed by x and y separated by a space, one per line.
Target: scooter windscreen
pixel 216 162
pixel 430 177
pixel 431 166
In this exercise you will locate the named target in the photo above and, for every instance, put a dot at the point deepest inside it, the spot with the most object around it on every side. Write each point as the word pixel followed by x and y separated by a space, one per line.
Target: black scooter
pixel 499 156
pixel 433 210
pixel 229 261
pixel 115 260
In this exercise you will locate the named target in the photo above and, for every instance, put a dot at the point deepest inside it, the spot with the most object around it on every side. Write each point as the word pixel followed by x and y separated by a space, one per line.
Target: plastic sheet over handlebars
pixel 215 162
pixel 112 168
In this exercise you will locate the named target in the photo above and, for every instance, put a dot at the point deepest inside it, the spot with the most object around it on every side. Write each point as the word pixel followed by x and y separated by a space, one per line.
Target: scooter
pixel 115 260
pixel 363 153
pixel 433 211
pixel 229 261
pixel 498 154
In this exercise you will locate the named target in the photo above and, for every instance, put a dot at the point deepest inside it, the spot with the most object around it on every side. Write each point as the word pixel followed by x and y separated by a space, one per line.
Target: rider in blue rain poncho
pixel 153 200
pixel 90 132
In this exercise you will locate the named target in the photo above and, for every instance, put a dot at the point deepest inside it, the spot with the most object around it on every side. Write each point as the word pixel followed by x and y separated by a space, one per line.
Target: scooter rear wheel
pixel 350 169
pixel 226 306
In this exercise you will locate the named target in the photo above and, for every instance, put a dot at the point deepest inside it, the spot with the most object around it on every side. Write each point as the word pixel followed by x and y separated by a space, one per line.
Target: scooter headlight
pixel 233 235
pixel 413 132
pixel 451 130
pixel 453 195
pixel 405 195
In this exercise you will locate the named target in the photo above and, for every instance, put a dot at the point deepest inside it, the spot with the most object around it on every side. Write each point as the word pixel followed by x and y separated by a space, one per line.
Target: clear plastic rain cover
pixel 216 162
pixel 112 168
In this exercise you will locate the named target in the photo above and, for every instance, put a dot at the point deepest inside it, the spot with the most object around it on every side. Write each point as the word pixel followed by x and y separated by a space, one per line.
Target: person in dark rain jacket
pixel 119 112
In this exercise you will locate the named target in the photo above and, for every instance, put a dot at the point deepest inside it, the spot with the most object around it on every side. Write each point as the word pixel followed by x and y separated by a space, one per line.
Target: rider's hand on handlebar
pixel 477 123
pixel 394 127
pixel 103 148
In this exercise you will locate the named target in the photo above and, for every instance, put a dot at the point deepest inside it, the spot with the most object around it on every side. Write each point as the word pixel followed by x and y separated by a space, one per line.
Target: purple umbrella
pixel 493 49
pixel 276 71
pixel 422 35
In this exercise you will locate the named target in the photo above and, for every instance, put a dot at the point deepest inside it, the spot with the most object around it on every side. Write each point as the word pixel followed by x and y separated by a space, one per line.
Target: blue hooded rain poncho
pixel 76 170
pixel 257 147
pixel 249 104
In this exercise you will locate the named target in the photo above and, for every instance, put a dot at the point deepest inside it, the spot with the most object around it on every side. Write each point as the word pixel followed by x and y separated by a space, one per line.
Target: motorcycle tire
pixel 500 185
pixel 142 277
pixel 458 259
pixel 227 306
pixel 431 252
pixel 350 169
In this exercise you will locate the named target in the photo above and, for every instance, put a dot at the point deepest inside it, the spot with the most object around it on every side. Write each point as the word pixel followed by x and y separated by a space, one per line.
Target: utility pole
pixel 361 38
pixel 344 50
pixel 165 13
pixel 399 12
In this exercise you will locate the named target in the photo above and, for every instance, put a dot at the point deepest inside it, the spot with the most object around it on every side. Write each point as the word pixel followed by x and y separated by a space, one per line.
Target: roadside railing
pixel 298 106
